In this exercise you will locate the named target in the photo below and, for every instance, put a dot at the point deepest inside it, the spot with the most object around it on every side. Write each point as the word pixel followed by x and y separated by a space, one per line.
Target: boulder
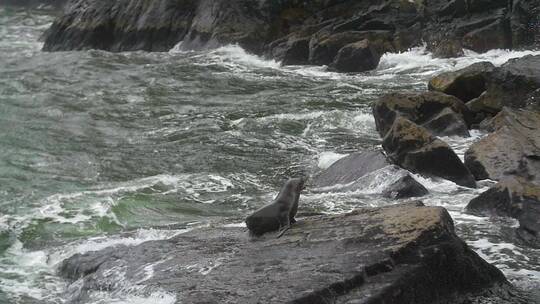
pixel 324 47
pixel 509 85
pixel 421 109
pixel 413 148
pixel 351 168
pixel 465 84
pixel 524 16
pixel 529 225
pixel 496 35
pixel 448 49
pixel 295 52
pixel 368 172
pixel 405 187
pixel 404 253
pixel 513 149
pixel 508 197
pixel 447 123
pixel 356 57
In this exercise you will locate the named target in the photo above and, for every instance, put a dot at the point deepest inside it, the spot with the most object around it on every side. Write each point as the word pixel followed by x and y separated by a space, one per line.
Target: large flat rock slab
pixel 398 254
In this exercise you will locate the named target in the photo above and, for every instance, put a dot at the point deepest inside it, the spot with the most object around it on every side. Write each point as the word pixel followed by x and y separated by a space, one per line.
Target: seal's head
pixel 296 184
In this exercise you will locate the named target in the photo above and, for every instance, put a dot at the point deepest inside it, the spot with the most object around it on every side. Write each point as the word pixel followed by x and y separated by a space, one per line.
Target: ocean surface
pixel 99 148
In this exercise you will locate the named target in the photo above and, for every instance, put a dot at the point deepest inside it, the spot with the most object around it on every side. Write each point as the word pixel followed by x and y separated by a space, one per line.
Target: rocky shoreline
pixel 346 35
pixel 406 253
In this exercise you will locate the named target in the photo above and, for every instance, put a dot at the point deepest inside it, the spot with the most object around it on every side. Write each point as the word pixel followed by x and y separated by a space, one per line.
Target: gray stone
pixel 413 148
pixel 403 253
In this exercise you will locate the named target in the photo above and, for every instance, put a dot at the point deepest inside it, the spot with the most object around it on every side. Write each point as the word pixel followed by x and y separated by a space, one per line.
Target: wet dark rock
pixel 529 224
pixel 263 27
pixel 509 85
pixel 423 109
pixel 447 123
pixel 295 52
pixel 448 49
pixel 120 25
pixel 405 187
pixel 366 171
pixel 513 149
pixel 514 197
pixel 413 148
pixel 465 84
pixel 351 168
pixel 508 197
pixel 403 253
pixel 356 57
pixel 496 35
pixel 324 47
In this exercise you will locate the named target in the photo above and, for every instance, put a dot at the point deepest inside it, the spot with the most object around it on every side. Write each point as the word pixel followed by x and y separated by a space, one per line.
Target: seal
pixel 279 215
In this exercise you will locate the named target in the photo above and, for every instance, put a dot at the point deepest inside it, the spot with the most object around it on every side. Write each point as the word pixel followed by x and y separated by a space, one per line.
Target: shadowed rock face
pixel 513 149
pixel 298 32
pixel 412 147
pixel 439 113
pixel 509 197
pixel 465 84
pixel 398 254
pixel 509 86
pixel 351 168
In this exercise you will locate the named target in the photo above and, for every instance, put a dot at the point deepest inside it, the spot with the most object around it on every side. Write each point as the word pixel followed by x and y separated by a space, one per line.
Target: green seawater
pixel 100 148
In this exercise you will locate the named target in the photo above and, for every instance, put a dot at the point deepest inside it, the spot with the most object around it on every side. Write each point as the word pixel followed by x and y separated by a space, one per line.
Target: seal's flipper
pixel 283 231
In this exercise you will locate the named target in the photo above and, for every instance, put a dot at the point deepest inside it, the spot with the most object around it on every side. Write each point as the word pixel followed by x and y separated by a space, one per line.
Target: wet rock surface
pixel 439 113
pixel 356 57
pixel 403 253
pixel 405 187
pixel 264 27
pixel 509 197
pixel 351 168
pixel 513 149
pixel 413 148
pixel 510 85
pixel 368 171
pixel 465 84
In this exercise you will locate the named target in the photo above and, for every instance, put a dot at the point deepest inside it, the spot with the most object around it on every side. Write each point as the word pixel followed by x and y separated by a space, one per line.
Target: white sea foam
pixel 161 297
pixel 326 159
pixel 418 61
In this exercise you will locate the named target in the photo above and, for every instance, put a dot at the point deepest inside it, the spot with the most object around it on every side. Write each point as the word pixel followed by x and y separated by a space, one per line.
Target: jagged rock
pixel 506 198
pixel 447 123
pixel 448 49
pixel 413 148
pixel 351 168
pixel 465 84
pixel 324 47
pixel 405 187
pixel 496 35
pixel 365 171
pixel 295 52
pixel 356 57
pixel 261 26
pixel 120 25
pixel 513 149
pixel 421 109
pixel 514 197
pixel 529 224
pixel 509 85
pixel 403 253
